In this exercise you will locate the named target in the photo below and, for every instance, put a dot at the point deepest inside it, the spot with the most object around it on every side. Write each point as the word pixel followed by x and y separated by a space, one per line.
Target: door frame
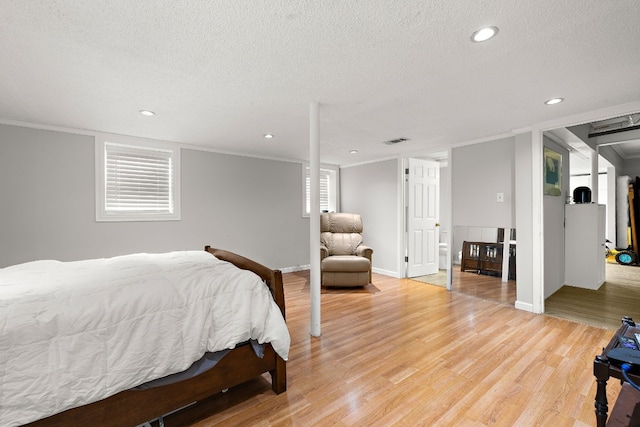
pixel 403 164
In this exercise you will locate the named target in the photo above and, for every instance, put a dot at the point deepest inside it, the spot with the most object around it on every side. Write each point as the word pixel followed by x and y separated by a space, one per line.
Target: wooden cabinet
pixel 584 245
pixel 487 258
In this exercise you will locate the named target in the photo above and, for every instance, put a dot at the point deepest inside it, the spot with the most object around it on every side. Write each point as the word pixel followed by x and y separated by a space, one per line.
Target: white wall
pixel 372 190
pixel 554 226
pixel 246 205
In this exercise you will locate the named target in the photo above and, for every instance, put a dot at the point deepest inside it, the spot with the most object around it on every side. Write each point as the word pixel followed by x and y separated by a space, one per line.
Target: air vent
pixel 395 141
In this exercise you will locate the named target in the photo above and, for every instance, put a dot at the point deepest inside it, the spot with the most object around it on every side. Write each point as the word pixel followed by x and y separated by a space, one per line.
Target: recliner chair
pixel 344 260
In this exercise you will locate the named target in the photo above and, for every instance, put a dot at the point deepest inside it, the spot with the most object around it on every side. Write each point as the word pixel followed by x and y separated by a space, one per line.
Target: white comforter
pixel 72 333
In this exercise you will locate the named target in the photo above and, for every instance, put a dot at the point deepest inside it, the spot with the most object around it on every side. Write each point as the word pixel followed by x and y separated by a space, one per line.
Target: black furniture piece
pixel 605 368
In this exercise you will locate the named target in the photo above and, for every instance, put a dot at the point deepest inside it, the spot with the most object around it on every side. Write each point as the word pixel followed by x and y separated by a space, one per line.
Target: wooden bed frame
pixel 134 407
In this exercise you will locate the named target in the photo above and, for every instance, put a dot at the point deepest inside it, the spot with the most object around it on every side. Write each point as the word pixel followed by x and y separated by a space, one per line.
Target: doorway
pixel 426 219
pixel 614 143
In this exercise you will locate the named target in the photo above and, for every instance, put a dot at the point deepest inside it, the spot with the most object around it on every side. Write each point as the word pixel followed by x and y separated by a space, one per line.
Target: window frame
pixel 334 188
pixel 101 143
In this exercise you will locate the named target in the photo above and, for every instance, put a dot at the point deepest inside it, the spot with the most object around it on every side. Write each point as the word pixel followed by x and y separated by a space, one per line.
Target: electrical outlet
pixel 500 197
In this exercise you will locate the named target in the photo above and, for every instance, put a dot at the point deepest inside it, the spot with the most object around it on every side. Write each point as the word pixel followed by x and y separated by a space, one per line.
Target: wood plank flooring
pixel 619 296
pixel 400 352
pixel 483 286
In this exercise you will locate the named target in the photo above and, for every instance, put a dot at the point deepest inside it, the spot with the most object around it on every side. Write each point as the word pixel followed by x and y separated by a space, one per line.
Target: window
pixel 137 181
pixel 328 190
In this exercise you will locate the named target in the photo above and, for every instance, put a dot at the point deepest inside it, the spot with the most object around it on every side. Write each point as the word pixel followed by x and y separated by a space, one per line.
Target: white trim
pixel 295 268
pixel 19 123
pixel 402 217
pixel 394 274
pixel 305 267
pixel 524 306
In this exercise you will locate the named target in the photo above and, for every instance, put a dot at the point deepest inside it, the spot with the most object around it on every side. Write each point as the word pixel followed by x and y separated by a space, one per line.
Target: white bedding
pixel 72 333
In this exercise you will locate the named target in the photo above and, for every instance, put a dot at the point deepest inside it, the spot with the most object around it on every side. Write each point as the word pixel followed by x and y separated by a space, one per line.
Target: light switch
pixel 500 197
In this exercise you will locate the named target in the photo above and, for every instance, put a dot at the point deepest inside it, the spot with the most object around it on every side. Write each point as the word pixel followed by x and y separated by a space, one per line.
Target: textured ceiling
pixel 223 73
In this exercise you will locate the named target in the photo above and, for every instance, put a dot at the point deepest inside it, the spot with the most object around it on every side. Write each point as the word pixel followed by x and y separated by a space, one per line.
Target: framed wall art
pixel 552 172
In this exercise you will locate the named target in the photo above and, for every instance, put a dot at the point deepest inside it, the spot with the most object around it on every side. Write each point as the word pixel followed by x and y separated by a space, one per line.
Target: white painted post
pixel 314 216
pixel 594 174
pixel 505 254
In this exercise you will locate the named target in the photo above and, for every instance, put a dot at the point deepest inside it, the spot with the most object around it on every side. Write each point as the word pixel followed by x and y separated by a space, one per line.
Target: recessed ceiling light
pixel 484 34
pixel 268 135
pixel 353 152
pixel 147 113
pixel 553 101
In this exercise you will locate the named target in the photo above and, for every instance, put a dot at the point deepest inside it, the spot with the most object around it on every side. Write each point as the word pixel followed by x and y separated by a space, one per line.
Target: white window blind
pixel 138 180
pixel 327 190
pixel 138 183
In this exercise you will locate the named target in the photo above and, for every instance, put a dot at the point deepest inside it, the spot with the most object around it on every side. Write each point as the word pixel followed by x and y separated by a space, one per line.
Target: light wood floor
pixel 400 352
pixel 619 296
pixel 483 286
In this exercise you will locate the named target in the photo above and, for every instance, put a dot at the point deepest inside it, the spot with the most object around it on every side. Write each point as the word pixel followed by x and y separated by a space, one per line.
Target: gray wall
pixel 372 191
pixel 247 205
pixel 631 168
pixel 524 220
pixel 479 173
pixel 445 201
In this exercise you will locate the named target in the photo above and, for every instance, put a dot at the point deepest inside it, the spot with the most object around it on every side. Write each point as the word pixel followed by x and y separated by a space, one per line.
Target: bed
pixel 51 386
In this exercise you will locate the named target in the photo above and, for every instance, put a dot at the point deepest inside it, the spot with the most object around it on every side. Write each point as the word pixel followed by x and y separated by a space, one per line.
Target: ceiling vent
pixel 395 141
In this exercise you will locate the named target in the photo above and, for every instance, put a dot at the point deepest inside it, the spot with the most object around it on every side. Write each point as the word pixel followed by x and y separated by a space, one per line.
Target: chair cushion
pixel 345 263
pixel 340 222
pixel 341 243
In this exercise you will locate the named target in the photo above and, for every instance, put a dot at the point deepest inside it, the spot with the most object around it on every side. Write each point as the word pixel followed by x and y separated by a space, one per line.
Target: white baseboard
pixel 387 273
pixel 524 306
pixel 308 267
pixel 296 268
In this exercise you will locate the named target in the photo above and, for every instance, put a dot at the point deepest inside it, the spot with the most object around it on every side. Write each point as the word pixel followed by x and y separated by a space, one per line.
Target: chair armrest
pixel 364 251
pixel 324 252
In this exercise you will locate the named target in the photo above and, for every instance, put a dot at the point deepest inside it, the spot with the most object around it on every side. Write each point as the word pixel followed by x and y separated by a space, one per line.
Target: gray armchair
pixel 344 260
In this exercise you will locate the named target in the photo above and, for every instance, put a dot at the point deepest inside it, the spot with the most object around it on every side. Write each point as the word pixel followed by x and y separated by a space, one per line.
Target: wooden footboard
pixel 134 407
pixel 272 278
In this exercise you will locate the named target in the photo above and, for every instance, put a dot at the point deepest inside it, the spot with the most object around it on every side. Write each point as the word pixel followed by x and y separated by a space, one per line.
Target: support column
pixel 506 248
pixel 594 175
pixel 314 216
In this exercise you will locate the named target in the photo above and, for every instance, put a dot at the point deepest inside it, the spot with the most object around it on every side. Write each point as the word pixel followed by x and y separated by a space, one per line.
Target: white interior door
pixel 423 184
